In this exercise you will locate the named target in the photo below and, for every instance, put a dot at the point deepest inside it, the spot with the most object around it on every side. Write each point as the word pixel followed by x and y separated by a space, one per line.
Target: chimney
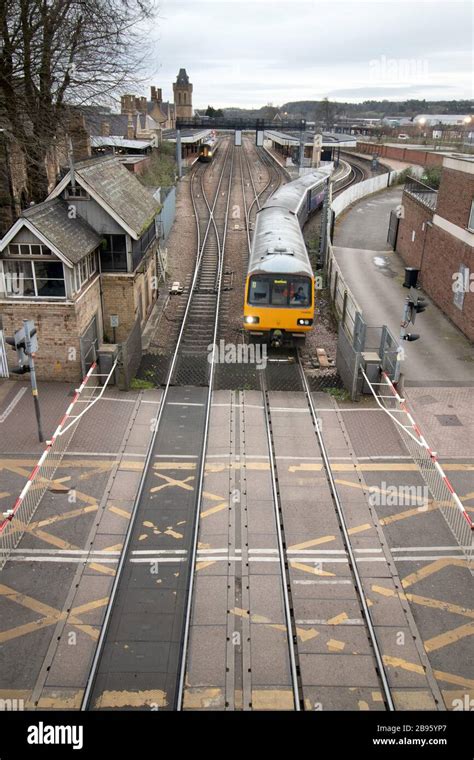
pixel 140 104
pixel 153 93
pixel 127 103
pixel 130 128
pixel 159 98
pixel 105 129
pixel 79 136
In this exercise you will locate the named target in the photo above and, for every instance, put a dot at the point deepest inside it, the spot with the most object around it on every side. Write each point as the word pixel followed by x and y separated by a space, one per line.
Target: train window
pixel 299 293
pixel 280 292
pixel 259 291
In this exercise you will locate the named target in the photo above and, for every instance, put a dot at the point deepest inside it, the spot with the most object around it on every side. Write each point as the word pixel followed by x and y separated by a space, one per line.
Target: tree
pixel 214 112
pixel 58 53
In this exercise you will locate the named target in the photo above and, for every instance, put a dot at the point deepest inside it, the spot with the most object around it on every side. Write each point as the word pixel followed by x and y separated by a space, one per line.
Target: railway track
pixel 301 695
pixel 140 658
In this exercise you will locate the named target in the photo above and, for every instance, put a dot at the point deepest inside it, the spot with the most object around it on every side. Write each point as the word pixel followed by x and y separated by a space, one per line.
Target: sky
pixel 248 54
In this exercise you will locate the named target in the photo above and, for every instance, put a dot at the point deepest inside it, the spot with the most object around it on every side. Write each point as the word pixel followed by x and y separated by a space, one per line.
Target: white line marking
pixel 349 621
pixel 182 403
pixel 12 405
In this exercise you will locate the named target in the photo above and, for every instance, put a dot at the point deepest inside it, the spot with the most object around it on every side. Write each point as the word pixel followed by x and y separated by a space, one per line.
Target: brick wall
pixel 128 295
pixel 443 255
pixel 415 215
pixel 410 156
pixel 60 326
pixel 456 193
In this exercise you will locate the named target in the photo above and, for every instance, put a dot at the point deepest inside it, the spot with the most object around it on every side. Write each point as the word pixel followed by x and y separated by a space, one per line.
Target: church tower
pixel 183 96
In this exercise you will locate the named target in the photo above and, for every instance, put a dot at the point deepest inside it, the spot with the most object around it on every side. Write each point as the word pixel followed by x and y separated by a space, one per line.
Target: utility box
pixel 106 357
pixel 238 137
pixel 259 138
pixel 371 361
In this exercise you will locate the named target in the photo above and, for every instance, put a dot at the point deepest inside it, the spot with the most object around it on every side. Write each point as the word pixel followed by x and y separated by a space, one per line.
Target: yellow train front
pixel 279 289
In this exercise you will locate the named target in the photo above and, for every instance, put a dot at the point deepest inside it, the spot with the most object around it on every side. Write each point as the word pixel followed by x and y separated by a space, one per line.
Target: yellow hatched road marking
pixel 449 637
pixel 432 567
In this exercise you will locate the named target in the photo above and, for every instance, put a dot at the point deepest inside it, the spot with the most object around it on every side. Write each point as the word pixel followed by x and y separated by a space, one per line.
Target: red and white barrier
pixel 443 493
pixel 14 521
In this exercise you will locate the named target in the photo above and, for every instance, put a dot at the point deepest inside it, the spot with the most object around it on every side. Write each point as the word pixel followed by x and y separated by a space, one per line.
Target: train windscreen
pixel 280 291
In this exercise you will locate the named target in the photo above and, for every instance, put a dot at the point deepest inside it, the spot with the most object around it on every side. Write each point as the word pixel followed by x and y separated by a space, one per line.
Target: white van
pixel 403 137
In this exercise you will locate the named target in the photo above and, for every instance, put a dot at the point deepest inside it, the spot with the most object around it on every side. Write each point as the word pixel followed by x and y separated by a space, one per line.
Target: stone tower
pixel 183 96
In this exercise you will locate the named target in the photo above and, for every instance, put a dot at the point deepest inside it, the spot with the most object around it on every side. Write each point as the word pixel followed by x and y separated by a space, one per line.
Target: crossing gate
pixel 443 495
pixel 3 357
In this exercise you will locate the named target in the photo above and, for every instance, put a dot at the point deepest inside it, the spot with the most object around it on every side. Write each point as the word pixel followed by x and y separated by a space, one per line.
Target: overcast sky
pixel 251 53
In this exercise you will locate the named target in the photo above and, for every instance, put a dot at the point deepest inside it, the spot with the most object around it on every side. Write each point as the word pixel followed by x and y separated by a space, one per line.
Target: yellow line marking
pixel 440 675
pixel 173 533
pixel 432 567
pixel 409 513
pixel 338 619
pixel 362 705
pixel 150 698
pixel 212 496
pixel 335 646
pixel 425 601
pixel 171 482
pixel 213 510
pixel 202 565
pixel 120 512
pixel 64 516
pixel 198 699
pixel 272 699
pixel 102 569
pixel 360 528
pixel 313 542
pixel 449 637
pixel 310 569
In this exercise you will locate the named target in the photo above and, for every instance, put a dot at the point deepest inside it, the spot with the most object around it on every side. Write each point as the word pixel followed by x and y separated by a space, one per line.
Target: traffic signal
pixel 414 304
pixel 19 344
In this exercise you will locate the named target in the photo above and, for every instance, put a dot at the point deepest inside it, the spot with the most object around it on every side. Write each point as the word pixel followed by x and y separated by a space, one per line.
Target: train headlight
pixel 252 320
pixel 305 322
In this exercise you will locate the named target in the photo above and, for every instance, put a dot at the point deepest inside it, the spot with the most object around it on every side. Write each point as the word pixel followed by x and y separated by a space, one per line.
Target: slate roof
pixel 73 237
pixel 120 190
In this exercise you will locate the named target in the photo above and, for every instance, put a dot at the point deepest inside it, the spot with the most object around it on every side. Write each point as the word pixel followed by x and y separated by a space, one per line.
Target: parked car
pixel 403 137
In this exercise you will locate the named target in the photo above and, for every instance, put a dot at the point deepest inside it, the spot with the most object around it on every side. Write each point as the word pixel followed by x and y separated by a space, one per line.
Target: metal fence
pixel 345 305
pixel 423 193
pixel 14 521
pixel 3 357
pixel 130 356
pixel 443 494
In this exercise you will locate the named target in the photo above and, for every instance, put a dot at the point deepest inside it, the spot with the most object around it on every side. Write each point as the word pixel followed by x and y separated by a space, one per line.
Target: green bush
pixel 161 171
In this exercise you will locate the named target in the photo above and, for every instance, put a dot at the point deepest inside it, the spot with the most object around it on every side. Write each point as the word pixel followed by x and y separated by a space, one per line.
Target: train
pixel 279 289
pixel 207 149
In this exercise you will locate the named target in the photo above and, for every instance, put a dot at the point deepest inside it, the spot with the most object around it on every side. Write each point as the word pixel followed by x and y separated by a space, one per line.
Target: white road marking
pixel 12 404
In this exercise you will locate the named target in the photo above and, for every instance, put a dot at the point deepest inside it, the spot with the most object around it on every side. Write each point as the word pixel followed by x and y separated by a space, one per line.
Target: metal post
pixel 323 242
pixel 34 387
pixel 178 153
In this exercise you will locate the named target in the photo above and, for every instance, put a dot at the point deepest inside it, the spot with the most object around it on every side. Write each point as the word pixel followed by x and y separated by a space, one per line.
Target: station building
pixel 436 236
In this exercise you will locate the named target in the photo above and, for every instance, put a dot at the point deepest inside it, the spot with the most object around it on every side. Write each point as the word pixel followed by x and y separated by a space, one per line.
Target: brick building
pixel 87 253
pixel 436 235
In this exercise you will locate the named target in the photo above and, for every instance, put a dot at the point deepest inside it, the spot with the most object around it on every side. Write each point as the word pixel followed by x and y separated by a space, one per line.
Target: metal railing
pixel 443 494
pixel 423 193
pixel 14 521
pixel 3 357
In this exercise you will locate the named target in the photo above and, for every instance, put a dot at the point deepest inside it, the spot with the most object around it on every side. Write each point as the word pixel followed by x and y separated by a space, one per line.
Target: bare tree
pixel 60 53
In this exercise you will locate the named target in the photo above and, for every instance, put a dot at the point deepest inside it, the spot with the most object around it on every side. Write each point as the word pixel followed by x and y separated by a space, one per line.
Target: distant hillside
pixel 317 110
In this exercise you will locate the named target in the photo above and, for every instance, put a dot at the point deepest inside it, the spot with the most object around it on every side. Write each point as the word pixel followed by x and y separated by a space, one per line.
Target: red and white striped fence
pixel 442 491
pixel 14 521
